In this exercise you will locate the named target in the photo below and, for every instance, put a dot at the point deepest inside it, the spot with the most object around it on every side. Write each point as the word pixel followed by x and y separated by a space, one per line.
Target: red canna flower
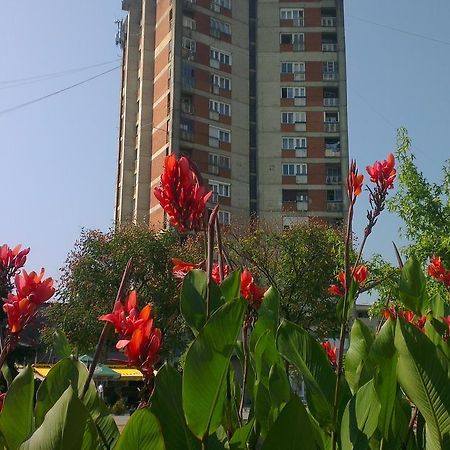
pixel 250 291
pixel 354 182
pixel 181 195
pixel 12 258
pixel 383 173
pixel 390 313
pixel 2 399
pixel 437 271
pixel 216 272
pixel 359 275
pixel 331 352
pixel 181 268
pixel 19 313
pixel 409 316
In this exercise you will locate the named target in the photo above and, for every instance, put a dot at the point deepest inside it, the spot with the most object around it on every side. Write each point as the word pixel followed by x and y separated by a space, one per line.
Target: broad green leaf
pixel 166 405
pixel 69 372
pixel 300 349
pixel 7 375
pixel 412 287
pixel 241 435
pixel 67 425
pixel 279 387
pixel 423 374
pixel 360 419
pixel 61 345
pixel 16 419
pixel 142 432
pixel 292 429
pixel 193 299
pixel 231 286
pixel 358 369
pixel 206 367
pixel 439 307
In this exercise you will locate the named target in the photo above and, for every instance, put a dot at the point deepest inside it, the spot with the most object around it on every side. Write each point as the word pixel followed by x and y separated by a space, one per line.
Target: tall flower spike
pixel 181 195
pixel 354 182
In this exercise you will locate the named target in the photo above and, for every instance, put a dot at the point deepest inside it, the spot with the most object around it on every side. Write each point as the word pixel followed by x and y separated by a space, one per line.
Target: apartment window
pixel 292 38
pixel 293 143
pixel 333 145
pixel 293 117
pixel 293 92
pixel 331 117
pixel 221 134
pixel 220 56
pixel 187 126
pixel 335 195
pixel 188 44
pixel 292 67
pixel 221 82
pixel 186 105
pixel 219 188
pixel 294 14
pixel 188 76
pixel 294 169
pixel 188 22
pixel 220 107
pixel 220 161
pixel 217 27
pixel 330 67
pixel 224 217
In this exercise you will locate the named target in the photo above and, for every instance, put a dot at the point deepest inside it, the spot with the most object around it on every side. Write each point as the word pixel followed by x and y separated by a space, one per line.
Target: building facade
pixel 254 91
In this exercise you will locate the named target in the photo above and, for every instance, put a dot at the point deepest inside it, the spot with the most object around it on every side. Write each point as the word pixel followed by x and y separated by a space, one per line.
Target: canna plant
pixel 236 389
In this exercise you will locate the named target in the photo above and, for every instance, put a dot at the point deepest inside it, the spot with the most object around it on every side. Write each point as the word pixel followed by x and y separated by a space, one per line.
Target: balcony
pixel 213 142
pixel 299 101
pixel 300 152
pixel 215 32
pixel 214 115
pixel 334 206
pixel 214 198
pixel 331 127
pixel 300 126
pixel 328 21
pixel 215 89
pixel 188 54
pixel 215 7
pixel 213 168
pixel 329 47
pixel 298 47
pixel 302 206
pixel 186 135
pixel 188 5
pixel 298 22
pixel 214 63
pixel 301 179
pixel 299 76
pixel 333 179
pixel 330 76
pixel 332 153
pixel 330 101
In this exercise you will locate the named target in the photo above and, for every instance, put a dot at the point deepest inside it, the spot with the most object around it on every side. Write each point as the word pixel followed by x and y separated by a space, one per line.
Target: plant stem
pixel 5 350
pixel 106 328
pixel 244 376
pixel 209 258
pixel 220 257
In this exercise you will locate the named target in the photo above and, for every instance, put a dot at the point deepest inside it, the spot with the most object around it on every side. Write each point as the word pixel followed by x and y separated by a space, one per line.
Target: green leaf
pixel 193 299
pixel 7 375
pixel 61 345
pixel 423 373
pixel 358 369
pixel 439 307
pixel 241 436
pixel 360 418
pixel 292 430
pixel 166 405
pixel 16 419
pixel 231 286
pixel 412 286
pixel 206 367
pixel 142 432
pixel 300 349
pixel 279 387
pixel 67 426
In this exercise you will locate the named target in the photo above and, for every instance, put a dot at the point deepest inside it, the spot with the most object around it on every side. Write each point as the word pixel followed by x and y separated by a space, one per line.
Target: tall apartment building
pixel 253 91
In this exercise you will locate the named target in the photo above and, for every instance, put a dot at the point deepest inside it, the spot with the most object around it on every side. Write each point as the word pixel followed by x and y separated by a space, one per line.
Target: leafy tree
pixel 422 205
pixel 92 274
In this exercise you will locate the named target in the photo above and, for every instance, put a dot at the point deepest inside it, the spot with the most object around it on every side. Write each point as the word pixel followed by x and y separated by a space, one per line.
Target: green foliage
pixel 119 408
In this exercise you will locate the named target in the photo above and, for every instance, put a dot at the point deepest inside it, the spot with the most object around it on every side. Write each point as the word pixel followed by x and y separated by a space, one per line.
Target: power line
pixel 399 30
pixel 36 100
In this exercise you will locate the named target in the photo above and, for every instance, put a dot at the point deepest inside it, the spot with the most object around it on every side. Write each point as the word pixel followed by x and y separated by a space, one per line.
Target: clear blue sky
pixel 58 156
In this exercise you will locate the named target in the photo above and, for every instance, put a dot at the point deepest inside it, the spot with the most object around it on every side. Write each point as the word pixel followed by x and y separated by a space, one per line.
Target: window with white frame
pixel 222 82
pixel 331 117
pixel 330 67
pixel 221 134
pixel 221 56
pixel 223 3
pixel 292 38
pixel 220 107
pixel 219 26
pixel 188 22
pixel 334 195
pixel 294 169
pixel 224 217
pixel 188 44
pixel 293 143
pixel 293 92
pixel 291 13
pixel 292 67
pixel 219 188
pixel 293 117
pixel 219 161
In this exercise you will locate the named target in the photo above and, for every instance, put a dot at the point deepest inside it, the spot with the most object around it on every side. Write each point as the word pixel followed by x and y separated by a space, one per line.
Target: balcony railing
pixel 215 89
pixel 213 142
pixel 329 47
pixel 302 206
pixel 214 115
pixel 299 101
pixel 301 179
pixel 299 76
pixel 328 101
pixel 330 76
pixel 214 63
pixel 214 169
pixel 298 22
pixel 334 179
pixel 328 21
pixel 334 206
pixel 331 153
pixel 186 135
pixel 215 32
pixel 298 46
pixel 300 152
pixel 300 126
pixel 331 127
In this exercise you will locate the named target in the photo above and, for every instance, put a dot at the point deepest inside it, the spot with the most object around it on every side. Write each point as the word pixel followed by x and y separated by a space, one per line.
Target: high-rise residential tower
pixel 254 91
